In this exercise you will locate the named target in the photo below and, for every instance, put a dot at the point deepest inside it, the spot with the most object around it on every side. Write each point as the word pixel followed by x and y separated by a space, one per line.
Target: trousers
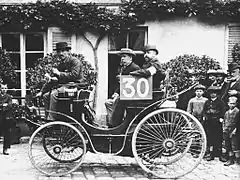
pixel 50 103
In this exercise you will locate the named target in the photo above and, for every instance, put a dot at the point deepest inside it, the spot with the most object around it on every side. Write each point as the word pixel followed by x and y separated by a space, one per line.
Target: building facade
pixel 172 38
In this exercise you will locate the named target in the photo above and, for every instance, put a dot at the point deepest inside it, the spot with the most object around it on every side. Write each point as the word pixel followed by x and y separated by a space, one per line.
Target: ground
pixel 104 167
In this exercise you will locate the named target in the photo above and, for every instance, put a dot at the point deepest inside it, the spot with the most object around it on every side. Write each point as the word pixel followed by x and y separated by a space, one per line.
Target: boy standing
pixel 213 111
pixel 231 118
pixel 196 104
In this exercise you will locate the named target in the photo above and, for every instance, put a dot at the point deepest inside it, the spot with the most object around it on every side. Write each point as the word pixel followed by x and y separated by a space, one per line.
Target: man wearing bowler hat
pixel 151 66
pixel 116 108
pixel 69 70
pixel 233 87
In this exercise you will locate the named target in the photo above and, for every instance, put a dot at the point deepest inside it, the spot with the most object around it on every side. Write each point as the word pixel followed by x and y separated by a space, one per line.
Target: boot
pixel 5 152
pixel 230 161
pixel 223 158
pixel 210 157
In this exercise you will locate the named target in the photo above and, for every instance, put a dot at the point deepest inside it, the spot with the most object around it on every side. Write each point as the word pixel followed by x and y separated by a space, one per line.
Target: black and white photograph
pixel 119 89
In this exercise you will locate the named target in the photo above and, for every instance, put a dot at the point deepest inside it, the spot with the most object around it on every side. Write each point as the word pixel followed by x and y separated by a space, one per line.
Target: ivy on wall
pixel 74 16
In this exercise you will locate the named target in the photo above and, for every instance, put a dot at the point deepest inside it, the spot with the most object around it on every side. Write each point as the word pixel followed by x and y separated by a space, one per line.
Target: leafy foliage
pixel 7 69
pixel 68 15
pixel 75 16
pixel 35 75
pixel 187 69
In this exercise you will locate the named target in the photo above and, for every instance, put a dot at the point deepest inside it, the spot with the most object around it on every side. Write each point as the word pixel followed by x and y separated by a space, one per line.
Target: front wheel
pixel 57 148
pixel 169 143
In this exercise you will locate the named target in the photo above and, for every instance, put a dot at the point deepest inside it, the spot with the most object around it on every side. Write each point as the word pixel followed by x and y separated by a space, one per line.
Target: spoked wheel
pixel 57 148
pixel 169 143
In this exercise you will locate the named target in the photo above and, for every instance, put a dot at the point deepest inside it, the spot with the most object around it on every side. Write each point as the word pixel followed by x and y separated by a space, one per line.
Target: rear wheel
pixel 57 148
pixel 169 143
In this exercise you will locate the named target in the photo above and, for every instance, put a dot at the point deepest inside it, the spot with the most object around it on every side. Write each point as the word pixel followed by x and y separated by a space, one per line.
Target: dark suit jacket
pixel 6 112
pixel 159 76
pixel 214 109
pixel 70 71
pixel 236 87
pixel 125 71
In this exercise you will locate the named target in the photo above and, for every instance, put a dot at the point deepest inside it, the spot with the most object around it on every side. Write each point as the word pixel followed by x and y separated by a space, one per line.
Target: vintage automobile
pixel 165 141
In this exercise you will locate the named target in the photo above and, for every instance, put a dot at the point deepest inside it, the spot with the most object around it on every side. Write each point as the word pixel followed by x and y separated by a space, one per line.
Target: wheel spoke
pixel 169 143
pixel 57 148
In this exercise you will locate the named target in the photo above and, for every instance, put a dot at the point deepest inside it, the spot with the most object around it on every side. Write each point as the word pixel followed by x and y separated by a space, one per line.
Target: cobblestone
pixel 105 167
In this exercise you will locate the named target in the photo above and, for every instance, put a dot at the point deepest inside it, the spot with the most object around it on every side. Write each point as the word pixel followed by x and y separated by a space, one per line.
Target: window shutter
pixel 233 38
pixel 60 36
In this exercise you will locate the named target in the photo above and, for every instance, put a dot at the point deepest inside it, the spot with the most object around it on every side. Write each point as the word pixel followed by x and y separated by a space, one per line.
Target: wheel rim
pixel 57 148
pixel 169 143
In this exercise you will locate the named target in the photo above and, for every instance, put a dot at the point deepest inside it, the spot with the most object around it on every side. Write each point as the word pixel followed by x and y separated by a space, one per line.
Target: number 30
pixel 130 84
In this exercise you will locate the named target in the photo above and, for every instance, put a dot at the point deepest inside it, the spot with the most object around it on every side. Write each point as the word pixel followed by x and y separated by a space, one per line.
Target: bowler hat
pixel 200 86
pixel 127 51
pixel 62 46
pixel 213 89
pixel 150 47
pixel 233 66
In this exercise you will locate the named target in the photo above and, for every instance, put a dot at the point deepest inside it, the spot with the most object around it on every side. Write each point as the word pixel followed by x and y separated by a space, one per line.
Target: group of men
pixel 70 71
pixel 151 67
pixel 217 109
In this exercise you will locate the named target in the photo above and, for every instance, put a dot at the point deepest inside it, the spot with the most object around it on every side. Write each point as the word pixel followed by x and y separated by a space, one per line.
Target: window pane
pixel 32 58
pixel 117 42
pixel 15 58
pixel 11 42
pixel 34 42
pixel 136 39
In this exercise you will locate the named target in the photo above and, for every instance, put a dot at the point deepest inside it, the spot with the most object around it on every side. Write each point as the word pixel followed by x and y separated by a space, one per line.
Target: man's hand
pixel 221 120
pixel 115 95
pixel 55 71
pixel 232 92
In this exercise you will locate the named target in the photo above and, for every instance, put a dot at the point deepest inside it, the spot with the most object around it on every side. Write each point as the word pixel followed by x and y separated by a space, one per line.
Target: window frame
pixel 23 52
pixel 145 28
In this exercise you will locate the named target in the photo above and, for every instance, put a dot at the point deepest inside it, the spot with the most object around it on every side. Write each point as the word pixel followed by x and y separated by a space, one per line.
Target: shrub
pixel 187 69
pixel 35 75
pixel 7 70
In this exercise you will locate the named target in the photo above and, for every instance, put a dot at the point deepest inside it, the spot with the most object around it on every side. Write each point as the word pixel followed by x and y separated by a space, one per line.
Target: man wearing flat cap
pixel 69 70
pixel 151 66
pixel 116 108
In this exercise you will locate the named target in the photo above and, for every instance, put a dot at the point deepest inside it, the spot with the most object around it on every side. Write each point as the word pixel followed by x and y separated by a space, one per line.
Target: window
pixel 34 48
pixel 134 39
pixel 24 50
pixel 233 38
